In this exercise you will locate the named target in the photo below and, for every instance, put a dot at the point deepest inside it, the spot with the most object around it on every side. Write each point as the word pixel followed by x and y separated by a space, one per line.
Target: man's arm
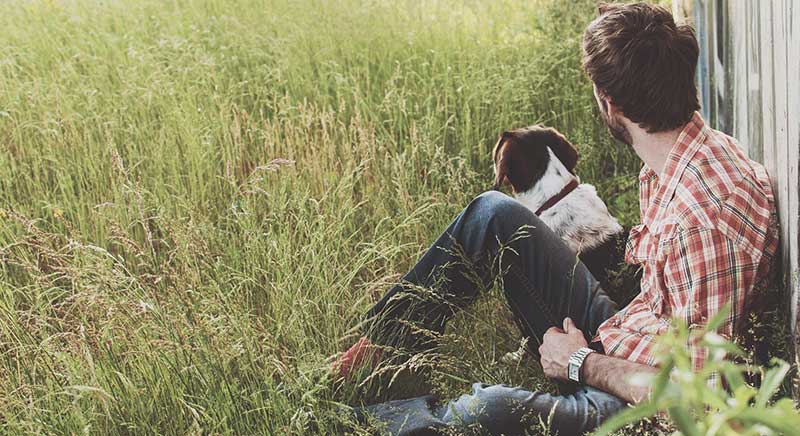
pixel 613 375
pixel 609 374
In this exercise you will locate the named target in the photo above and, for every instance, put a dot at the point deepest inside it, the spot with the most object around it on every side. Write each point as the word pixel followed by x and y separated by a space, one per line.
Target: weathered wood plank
pixel 738 69
pixel 763 73
pixel 705 65
pixel 767 81
pixel 781 146
pixel 792 17
pixel 755 126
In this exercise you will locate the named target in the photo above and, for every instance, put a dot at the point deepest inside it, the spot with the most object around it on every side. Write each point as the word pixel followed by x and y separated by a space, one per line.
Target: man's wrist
pixel 576 363
pixel 588 362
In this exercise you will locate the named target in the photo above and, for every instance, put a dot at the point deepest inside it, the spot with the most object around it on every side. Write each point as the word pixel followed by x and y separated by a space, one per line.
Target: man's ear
pixel 612 110
pixel 502 160
pixel 564 150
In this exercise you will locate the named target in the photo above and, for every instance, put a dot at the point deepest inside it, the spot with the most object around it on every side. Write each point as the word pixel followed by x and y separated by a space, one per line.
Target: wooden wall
pixel 749 74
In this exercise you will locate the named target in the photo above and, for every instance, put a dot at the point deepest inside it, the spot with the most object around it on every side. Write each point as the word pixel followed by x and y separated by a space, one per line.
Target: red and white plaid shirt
pixel 706 239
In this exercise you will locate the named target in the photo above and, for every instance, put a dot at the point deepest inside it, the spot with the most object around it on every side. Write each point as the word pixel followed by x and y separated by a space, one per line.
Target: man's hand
pixel 606 373
pixel 557 346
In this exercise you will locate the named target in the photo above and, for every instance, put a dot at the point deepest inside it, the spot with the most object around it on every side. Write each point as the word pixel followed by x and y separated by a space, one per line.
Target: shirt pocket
pixel 663 247
pixel 655 252
pixel 636 251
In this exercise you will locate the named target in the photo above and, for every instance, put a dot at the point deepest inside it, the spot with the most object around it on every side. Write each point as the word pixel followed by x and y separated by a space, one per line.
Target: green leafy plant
pixel 697 407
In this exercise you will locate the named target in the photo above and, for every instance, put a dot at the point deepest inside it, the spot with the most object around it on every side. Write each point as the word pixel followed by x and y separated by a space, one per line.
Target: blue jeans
pixel 494 238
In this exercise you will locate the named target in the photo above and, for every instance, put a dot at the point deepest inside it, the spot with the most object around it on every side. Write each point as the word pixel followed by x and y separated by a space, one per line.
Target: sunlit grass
pixel 200 198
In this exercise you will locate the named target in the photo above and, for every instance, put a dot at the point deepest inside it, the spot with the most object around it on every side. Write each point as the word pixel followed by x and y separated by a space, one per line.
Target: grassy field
pixel 200 198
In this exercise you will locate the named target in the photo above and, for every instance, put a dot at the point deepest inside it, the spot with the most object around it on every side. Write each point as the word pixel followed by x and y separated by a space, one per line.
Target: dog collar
pixel 558 197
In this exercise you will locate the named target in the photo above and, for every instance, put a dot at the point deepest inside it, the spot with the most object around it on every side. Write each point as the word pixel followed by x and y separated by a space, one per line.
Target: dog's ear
pixel 564 150
pixel 517 162
pixel 502 160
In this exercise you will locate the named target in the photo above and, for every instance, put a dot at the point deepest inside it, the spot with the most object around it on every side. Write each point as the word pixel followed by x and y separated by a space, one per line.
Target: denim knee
pixel 501 409
pixel 496 408
pixel 495 201
pixel 494 208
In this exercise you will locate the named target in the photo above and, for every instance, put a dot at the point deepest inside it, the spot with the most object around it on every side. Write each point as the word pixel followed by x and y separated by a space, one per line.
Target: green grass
pixel 163 271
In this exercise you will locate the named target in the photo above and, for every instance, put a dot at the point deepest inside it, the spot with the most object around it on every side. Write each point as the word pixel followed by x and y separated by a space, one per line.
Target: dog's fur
pixel 538 162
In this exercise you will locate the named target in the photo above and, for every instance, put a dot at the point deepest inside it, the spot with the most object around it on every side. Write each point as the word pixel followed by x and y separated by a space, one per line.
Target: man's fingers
pixel 552 330
pixel 569 325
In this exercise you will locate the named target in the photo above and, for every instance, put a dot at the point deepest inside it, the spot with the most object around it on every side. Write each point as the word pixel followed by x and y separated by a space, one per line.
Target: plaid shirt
pixel 706 239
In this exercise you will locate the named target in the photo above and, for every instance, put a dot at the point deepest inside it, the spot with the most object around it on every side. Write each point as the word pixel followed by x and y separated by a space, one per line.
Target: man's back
pixel 706 238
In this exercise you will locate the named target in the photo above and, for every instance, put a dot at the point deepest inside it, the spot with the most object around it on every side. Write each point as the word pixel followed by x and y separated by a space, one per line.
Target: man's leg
pixel 498 410
pixel 494 237
pixel 543 282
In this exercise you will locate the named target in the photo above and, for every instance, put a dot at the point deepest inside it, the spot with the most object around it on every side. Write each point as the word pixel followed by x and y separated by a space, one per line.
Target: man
pixel 706 240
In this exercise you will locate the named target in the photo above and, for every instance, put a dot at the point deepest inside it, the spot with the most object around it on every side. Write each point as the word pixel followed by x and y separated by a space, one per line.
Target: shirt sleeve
pixel 703 272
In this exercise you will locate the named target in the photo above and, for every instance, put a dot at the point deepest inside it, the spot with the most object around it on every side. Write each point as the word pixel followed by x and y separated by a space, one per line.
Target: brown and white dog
pixel 538 163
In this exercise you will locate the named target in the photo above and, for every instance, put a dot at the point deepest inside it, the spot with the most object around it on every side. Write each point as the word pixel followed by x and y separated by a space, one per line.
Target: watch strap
pixel 576 361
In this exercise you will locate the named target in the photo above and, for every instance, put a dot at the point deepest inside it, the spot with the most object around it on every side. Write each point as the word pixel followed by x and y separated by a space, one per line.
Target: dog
pixel 538 163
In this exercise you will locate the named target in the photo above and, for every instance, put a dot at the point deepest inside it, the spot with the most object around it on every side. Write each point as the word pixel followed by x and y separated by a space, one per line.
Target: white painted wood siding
pixel 759 102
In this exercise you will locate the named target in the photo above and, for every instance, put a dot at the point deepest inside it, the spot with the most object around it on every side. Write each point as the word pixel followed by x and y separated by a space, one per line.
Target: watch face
pixel 573 372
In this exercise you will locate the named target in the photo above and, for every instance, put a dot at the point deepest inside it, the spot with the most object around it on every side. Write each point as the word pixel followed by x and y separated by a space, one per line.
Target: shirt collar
pixel 686 146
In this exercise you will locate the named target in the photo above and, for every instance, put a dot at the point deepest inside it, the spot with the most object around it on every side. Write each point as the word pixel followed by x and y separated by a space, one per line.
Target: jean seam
pixel 532 290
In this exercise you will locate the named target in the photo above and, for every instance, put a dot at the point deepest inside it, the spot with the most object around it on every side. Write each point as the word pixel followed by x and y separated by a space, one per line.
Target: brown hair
pixel 644 63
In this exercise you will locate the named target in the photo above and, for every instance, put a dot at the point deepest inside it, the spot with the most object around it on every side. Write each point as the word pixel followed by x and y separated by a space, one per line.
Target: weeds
pixel 697 407
pixel 166 271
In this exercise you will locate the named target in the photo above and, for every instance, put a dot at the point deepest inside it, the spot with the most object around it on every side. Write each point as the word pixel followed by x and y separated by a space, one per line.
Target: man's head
pixel 642 65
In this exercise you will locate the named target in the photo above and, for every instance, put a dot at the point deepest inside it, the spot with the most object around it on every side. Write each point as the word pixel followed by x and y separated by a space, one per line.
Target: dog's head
pixel 521 156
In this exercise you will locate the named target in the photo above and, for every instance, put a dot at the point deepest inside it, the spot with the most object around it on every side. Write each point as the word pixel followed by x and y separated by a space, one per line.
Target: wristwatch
pixel 575 363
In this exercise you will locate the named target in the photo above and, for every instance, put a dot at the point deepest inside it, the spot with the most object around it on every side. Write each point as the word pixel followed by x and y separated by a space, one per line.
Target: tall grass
pixel 200 198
